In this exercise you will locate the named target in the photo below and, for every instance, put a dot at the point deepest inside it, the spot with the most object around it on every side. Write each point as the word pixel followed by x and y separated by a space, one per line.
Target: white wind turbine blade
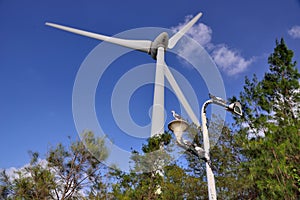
pixel 174 39
pixel 158 118
pixel 181 96
pixel 141 45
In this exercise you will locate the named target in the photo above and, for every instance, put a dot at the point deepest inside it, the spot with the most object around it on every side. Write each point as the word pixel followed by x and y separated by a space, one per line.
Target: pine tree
pixel 269 132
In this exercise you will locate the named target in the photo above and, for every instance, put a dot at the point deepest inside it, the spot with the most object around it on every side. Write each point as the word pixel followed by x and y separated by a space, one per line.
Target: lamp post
pixel 178 126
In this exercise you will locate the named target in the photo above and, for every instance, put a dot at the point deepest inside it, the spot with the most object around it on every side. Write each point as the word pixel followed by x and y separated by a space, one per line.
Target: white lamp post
pixel 179 126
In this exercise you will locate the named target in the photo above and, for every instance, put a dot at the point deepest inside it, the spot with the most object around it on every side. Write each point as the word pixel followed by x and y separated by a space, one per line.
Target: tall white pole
pixel 158 117
pixel 210 176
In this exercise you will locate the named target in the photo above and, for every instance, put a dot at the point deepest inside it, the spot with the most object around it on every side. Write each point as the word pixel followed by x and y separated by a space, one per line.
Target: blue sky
pixel 38 64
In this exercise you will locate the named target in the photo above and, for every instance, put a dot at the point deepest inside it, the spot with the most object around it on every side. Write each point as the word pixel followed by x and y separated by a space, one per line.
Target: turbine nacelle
pixel 162 40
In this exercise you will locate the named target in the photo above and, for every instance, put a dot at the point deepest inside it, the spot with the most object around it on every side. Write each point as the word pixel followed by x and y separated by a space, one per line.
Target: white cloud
pixel 12 171
pixel 294 32
pixel 228 60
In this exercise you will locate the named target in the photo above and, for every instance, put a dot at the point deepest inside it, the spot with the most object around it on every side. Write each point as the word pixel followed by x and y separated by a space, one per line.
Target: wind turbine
pixel 157 50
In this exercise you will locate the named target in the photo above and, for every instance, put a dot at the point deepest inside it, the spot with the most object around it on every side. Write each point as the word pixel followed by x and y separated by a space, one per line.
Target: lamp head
pixel 236 108
pixel 178 127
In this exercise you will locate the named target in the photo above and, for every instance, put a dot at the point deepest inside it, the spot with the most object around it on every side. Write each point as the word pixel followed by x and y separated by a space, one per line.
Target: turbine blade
pixel 181 96
pixel 158 118
pixel 141 45
pixel 174 39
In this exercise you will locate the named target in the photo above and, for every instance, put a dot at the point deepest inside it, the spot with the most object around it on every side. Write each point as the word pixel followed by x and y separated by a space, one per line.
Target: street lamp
pixel 178 126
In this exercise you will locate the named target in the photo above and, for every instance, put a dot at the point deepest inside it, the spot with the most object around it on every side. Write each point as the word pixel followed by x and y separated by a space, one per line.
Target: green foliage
pixel 64 174
pixel 156 142
pixel 144 181
pixel 269 131
pixel 178 184
pixel 154 154
pixel 32 182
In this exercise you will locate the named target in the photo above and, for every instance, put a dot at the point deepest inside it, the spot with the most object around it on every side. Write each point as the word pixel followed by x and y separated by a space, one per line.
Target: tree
pixel 32 182
pixel 269 131
pixel 64 174
pixel 145 178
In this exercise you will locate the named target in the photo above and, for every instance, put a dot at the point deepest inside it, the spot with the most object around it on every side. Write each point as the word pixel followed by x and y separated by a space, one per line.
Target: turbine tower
pixel 156 49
